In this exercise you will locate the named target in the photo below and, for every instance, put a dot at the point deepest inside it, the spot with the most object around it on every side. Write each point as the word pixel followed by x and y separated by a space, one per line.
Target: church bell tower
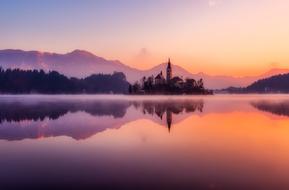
pixel 169 71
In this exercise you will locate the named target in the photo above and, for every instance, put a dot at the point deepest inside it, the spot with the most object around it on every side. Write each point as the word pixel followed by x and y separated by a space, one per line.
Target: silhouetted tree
pixel 136 88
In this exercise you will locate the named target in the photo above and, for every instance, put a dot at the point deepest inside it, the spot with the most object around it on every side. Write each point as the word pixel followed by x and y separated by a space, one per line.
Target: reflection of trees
pixel 53 110
pixel 176 107
pixel 171 107
pixel 278 108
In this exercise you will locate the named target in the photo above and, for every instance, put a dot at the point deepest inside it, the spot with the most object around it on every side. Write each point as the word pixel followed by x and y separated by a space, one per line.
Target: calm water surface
pixel 135 142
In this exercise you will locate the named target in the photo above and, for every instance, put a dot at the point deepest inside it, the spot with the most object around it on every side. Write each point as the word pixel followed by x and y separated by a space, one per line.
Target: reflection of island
pixel 82 119
pixel 168 108
pixel 277 108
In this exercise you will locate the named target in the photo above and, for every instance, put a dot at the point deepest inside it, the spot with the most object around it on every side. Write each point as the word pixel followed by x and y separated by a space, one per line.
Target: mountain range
pixel 80 64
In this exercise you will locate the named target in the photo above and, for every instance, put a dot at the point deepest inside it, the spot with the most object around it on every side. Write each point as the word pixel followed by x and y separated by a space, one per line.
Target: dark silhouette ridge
pixel 277 108
pixel 274 84
pixel 277 83
pixel 15 112
pixel 24 82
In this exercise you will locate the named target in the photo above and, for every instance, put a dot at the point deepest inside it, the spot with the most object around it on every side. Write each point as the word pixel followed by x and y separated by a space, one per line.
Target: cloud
pixel 142 57
pixel 143 53
pixel 213 3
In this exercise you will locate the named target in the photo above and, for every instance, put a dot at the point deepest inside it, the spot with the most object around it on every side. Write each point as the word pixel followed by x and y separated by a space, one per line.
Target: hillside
pixel 274 84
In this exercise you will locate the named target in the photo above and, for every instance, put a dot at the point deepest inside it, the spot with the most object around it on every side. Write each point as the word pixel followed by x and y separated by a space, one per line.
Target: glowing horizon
pixel 218 37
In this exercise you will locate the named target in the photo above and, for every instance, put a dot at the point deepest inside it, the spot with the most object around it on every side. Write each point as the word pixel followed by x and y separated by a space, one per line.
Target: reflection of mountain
pixel 277 108
pixel 82 119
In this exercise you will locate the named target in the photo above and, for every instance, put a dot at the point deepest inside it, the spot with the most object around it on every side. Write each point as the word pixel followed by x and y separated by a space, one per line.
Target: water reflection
pixel 81 119
pixel 170 108
pixel 19 111
pixel 274 107
pixel 218 142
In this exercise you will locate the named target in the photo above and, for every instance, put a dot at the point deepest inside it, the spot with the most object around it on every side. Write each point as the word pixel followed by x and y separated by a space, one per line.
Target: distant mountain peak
pixel 79 52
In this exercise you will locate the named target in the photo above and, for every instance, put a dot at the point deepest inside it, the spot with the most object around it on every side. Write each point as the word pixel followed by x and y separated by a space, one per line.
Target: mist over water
pixel 153 142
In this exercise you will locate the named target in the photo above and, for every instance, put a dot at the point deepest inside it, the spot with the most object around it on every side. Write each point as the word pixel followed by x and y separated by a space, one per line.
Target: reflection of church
pixel 170 108
pixel 169 119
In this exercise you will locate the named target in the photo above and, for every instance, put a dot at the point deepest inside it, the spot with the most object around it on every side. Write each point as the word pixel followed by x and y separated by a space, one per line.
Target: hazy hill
pixel 274 84
pixel 79 63
pixel 277 83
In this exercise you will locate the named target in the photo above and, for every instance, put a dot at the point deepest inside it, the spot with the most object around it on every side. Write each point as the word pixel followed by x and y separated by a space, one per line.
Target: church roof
pixel 177 79
pixel 159 76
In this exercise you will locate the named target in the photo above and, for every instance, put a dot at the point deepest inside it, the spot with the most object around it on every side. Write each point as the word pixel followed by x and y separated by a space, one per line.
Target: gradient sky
pixel 232 37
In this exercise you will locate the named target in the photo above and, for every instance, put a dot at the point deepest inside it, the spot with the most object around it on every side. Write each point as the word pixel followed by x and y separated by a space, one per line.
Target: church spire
pixel 169 71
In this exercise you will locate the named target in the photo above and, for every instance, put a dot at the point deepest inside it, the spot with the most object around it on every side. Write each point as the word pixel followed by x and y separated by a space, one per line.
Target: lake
pixel 144 142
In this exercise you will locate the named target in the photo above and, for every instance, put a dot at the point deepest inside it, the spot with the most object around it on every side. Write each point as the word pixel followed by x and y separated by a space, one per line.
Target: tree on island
pixel 170 85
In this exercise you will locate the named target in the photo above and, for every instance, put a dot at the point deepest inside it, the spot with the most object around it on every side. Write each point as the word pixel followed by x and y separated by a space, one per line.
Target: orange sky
pixel 236 40
pixel 230 37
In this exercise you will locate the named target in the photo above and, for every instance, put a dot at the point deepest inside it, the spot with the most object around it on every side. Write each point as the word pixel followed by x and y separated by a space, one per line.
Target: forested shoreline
pixel 16 81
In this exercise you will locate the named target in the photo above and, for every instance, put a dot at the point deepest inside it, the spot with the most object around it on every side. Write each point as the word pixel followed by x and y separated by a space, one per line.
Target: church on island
pixel 169 85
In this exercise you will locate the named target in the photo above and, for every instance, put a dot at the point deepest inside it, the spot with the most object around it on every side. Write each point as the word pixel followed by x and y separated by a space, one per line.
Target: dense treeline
pixel 18 81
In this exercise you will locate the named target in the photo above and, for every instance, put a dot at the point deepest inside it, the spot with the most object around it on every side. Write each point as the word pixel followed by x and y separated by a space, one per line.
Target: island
pixel 168 86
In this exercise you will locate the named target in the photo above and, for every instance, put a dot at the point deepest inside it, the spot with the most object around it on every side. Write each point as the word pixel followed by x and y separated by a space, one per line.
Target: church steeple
pixel 169 63
pixel 169 71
